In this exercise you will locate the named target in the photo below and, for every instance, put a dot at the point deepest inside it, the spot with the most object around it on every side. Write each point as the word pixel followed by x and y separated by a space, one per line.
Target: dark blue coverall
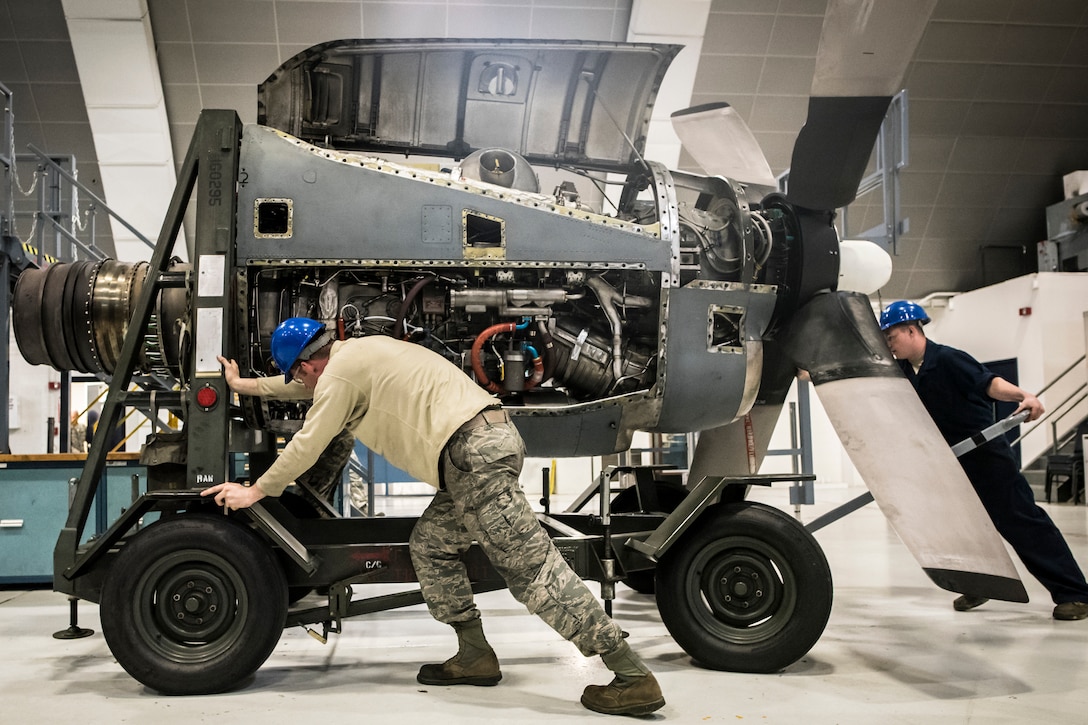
pixel 952 386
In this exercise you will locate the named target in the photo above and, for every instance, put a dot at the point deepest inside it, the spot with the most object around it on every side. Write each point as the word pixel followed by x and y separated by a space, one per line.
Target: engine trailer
pixel 195 601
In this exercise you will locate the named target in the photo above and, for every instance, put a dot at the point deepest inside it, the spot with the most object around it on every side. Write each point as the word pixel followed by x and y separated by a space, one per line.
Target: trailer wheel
pixel 193 605
pixel 669 496
pixel 746 590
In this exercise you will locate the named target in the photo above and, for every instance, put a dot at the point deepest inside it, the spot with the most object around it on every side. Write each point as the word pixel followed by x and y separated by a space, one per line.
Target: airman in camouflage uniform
pixel 427 417
pixel 321 480
pixel 482 501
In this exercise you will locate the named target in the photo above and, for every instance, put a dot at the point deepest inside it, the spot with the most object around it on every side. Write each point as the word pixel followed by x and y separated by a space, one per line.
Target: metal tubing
pixel 546 499
pixel 371 605
pixel 608 561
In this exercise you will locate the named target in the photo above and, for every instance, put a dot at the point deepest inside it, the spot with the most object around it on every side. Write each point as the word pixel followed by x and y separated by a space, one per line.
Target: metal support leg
pixel 608 561
pixel 74 631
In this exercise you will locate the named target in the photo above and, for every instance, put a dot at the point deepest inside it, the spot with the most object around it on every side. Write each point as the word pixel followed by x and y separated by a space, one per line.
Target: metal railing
pixel 54 215
pixel 48 165
pixel 64 217
pixel 7 160
pixel 1068 406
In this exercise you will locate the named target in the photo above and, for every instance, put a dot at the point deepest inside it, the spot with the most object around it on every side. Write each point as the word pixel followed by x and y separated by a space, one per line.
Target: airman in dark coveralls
pixel 958 392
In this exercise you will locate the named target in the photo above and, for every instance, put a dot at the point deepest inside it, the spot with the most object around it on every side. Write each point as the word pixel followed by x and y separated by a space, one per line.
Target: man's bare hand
pixel 233 496
pixel 230 371
pixel 240 385
pixel 1031 404
pixel 1002 389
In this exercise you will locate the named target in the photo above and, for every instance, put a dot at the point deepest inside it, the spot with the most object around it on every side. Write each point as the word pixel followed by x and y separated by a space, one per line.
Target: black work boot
pixel 1071 611
pixel 633 691
pixel 474 664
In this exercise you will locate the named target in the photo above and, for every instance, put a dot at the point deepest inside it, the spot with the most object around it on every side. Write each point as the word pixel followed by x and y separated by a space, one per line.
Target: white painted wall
pixel 682 22
pixel 988 323
pixel 30 404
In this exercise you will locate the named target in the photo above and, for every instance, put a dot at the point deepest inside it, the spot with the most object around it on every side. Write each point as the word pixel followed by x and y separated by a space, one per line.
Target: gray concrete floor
pixel 894 651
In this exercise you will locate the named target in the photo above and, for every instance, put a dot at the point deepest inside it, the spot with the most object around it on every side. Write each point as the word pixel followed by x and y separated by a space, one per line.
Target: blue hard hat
pixel 902 311
pixel 290 340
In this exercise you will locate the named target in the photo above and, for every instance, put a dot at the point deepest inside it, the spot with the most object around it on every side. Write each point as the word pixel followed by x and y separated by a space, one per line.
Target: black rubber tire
pixel 669 496
pixel 194 605
pixel 747 589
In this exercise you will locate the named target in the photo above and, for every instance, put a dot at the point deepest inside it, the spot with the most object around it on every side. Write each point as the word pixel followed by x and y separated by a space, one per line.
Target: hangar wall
pixel 1023 318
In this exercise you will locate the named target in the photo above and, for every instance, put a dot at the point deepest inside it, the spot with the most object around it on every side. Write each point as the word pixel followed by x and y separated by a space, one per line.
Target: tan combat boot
pixel 474 664
pixel 633 691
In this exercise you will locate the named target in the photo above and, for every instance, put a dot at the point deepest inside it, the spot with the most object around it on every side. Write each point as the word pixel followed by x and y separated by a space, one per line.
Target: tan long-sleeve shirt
pixel 401 400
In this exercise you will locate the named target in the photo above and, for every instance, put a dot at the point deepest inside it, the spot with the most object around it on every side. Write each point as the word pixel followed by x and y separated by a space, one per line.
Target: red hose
pixel 478 366
pixel 538 374
pixel 477 363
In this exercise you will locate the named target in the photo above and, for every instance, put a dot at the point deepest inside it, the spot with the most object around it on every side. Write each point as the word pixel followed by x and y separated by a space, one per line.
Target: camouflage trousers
pixel 323 477
pixel 483 502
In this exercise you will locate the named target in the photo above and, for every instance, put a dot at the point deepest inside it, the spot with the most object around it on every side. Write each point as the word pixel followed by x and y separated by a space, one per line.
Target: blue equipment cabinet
pixel 34 491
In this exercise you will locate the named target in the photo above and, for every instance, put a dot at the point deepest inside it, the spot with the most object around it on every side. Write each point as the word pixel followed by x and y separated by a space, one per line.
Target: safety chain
pixel 79 220
pixel 15 172
pixel 38 173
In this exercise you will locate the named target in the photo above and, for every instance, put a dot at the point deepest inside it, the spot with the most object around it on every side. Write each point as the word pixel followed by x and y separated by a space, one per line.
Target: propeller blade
pixel 906 463
pixel 720 141
pixel 865 47
pixel 833 149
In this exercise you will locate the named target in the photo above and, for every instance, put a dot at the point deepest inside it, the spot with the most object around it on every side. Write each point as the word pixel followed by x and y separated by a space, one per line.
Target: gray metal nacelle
pixel 593 292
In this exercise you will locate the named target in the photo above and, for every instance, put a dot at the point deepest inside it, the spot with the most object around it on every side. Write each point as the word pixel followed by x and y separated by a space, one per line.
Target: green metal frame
pixel 210 168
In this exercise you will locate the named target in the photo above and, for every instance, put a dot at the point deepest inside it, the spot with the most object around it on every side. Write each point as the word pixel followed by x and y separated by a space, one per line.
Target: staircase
pixel 1065 424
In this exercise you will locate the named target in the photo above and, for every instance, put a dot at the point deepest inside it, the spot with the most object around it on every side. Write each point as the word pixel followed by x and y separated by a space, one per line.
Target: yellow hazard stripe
pixel 32 251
